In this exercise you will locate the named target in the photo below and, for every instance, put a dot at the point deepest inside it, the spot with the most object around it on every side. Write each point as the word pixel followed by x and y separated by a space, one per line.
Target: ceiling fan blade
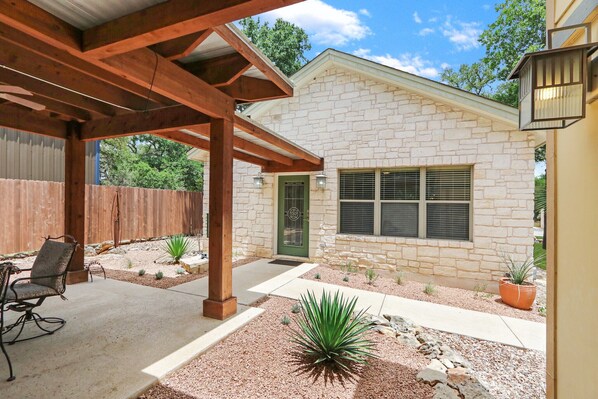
pixel 26 103
pixel 14 90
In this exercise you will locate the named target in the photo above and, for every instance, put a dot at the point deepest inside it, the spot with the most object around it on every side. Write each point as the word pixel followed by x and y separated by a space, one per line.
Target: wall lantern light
pixel 553 83
pixel 321 181
pixel 258 181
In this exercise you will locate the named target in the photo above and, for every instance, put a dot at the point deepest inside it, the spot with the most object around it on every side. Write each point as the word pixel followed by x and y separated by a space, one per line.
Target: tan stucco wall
pixel 573 254
pixel 356 122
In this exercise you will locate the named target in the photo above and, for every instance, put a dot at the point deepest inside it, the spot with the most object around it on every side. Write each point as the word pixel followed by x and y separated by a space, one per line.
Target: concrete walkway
pixel 486 326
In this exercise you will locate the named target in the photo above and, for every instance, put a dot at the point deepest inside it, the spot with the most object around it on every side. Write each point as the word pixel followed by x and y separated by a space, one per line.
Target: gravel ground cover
pixel 482 302
pixel 506 371
pixel 258 361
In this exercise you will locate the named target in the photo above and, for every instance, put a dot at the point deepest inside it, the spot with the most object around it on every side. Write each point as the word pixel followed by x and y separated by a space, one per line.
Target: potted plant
pixel 514 288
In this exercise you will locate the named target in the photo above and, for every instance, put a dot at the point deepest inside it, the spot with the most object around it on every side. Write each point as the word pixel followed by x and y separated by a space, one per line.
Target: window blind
pixel 399 185
pixel 399 219
pixel 447 221
pixel 357 185
pixel 357 218
pixel 448 184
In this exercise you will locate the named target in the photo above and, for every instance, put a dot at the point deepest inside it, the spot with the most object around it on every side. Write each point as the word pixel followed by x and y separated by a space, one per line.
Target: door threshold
pixel 291 257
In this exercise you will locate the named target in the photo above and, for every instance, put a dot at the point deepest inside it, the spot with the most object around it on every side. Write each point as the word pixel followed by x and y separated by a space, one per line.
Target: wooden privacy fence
pixel 30 210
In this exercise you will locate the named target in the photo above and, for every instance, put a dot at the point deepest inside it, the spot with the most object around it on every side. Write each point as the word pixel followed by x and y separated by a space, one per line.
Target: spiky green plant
pixel 296 308
pixel 371 276
pixel 286 320
pixel 317 276
pixel 177 246
pixel 159 276
pixel 519 271
pixel 331 333
pixel 430 289
pixel 346 278
pixel 400 278
pixel 141 272
pixel 180 271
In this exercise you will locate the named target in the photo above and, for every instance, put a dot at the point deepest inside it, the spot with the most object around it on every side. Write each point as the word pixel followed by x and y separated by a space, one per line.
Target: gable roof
pixel 428 88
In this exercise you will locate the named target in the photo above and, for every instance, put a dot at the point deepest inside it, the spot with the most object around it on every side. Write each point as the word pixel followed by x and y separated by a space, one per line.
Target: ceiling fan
pixel 10 93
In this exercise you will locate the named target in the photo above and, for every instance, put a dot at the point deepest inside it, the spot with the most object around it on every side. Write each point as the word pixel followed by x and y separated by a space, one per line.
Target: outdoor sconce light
pixel 553 84
pixel 258 181
pixel 321 181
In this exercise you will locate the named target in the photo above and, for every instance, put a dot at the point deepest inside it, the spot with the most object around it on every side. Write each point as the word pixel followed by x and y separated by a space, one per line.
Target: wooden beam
pixel 202 144
pixel 148 122
pixel 221 70
pixel 24 61
pixel 169 20
pixel 35 21
pixel 253 148
pixel 74 200
pixel 55 92
pixel 147 68
pixel 58 107
pixel 231 35
pixel 221 303
pixel 181 46
pixel 261 132
pixel 299 165
pixel 18 118
pixel 93 69
pixel 248 89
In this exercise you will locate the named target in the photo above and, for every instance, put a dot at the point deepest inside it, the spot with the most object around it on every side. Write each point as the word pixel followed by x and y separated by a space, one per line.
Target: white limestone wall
pixel 358 123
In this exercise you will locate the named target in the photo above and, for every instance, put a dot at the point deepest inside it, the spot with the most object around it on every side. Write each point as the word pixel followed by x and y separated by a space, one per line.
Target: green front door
pixel 293 215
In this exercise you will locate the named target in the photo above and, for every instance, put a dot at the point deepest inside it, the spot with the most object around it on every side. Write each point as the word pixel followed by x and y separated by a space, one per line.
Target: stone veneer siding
pixel 355 122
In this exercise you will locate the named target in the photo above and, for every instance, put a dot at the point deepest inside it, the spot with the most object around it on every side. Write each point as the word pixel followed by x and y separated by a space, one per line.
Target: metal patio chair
pixel 23 295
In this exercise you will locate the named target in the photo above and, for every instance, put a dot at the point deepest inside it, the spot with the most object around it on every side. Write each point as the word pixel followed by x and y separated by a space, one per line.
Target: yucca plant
pixel 177 247
pixel 330 332
pixel 519 271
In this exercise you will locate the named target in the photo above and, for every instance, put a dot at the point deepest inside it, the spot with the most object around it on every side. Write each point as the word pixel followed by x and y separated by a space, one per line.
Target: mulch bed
pixel 166 282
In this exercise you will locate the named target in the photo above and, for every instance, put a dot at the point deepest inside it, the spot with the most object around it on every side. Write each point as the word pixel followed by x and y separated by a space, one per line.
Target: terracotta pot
pixel 518 296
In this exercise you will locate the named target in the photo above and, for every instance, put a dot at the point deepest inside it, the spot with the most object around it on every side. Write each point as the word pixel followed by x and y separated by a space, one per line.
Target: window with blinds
pixel 417 202
pixel 357 195
pixel 448 196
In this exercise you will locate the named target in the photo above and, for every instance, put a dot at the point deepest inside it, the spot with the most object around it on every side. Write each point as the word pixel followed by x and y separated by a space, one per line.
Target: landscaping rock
pixel 105 246
pixel 458 375
pixel 455 358
pixel 442 391
pixel 118 251
pixel 447 363
pixel 472 389
pixel 379 321
pixel 433 374
pixel 389 332
pixel 90 251
pixel 195 264
pixel 409 340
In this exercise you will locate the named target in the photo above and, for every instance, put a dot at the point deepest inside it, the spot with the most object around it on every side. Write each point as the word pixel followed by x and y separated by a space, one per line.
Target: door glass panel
pixel 294 203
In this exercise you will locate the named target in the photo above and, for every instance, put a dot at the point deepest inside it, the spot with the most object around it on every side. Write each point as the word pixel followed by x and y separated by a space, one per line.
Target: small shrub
pixel 141 272
pixel 317 276
pixel 286 320
pixel 400 278
pixel 296 308
pixel 159 275
pixel 129 263
pixel 177 247
pixel 520 271
pixel 371 276
pixel 346 278
pixel 331 332
pixel 348 267
pixel 180 271
pixel 542 311
pixel 479 289
pixel 430 289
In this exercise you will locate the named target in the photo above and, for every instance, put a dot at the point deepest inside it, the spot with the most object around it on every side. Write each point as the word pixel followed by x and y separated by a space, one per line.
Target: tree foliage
pixel 150 162
pixel 519 28
pixel 284 43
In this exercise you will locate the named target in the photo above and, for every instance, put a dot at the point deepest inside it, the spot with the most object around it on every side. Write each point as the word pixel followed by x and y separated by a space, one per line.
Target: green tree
pixel 539 195
pixel 475 78
pixel 150 162
pixel 284 43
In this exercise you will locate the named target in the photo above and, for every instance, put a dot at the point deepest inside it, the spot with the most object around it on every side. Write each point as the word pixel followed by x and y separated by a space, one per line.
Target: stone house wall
pixel 354 122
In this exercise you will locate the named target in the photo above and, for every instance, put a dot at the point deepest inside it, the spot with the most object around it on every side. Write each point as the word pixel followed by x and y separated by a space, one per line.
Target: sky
pixel 421 37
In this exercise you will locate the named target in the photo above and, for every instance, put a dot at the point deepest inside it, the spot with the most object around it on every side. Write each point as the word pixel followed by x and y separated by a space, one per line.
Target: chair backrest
pixel 53 259
pixel 5 269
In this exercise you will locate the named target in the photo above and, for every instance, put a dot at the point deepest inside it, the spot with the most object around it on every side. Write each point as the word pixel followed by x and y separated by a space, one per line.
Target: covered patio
pixel 176 69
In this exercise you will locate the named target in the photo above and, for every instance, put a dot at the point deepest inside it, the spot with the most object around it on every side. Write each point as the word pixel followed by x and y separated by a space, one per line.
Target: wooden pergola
pixel 176 69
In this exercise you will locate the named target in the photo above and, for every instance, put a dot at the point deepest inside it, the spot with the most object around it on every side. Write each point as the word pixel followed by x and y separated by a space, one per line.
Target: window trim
pixel 422 201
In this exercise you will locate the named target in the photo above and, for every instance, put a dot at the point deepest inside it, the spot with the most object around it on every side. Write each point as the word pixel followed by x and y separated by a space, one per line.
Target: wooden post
pixel 74 199
pixel 220 303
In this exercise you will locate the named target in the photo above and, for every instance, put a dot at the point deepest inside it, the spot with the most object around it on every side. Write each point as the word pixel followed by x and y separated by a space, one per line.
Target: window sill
pixel 429 242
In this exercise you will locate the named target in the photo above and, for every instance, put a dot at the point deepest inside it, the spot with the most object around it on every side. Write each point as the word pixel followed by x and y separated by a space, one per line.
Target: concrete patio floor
pixel 120 338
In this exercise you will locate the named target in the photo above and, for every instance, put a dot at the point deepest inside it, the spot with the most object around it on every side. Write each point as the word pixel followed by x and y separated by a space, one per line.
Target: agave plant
pixel 329 332
pixel 519 271
pixel 177 247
